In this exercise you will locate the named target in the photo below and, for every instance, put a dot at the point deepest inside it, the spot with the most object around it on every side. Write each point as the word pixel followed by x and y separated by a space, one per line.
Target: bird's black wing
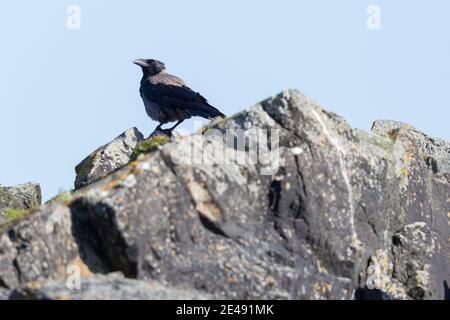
pixel 179 99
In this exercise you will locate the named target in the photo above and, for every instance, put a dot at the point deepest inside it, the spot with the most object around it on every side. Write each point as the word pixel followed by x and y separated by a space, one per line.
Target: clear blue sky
pixel 65 92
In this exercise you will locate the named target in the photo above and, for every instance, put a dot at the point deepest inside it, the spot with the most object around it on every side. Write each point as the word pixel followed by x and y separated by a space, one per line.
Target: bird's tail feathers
pixel 216 113
pixel 205 111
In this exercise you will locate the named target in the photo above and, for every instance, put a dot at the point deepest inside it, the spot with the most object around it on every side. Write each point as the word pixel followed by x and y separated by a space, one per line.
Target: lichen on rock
pixel 107 158
pixel 17 201
pixel 149 145
pixel 346 214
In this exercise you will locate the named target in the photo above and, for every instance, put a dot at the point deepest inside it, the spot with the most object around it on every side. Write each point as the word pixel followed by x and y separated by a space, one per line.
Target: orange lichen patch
pixel 204 204
pixel 209 210
pixel 232 279
pixel 35 285
pixel 220 247
pixel 116 180
pixel 270 280
pixel 63 298
pixel 382 259
pixel 409 157
pixel 134 167
pixel 120 200
pixel 322 288
pixel 111 185
pixel 156 170
pixel 142 165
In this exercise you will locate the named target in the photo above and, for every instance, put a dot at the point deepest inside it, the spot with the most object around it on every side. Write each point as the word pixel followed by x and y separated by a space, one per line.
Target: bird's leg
pixel 176 125
pixel 168 132
pixel 159 128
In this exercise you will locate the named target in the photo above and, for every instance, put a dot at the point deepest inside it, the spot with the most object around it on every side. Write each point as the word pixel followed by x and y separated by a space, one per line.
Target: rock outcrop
pixel 318 210
pixel 107 158
pixel 39 247
pixel 18 199
pixel 110 287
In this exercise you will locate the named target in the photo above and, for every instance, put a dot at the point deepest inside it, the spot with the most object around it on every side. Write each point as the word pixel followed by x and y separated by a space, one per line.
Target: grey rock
pixel 24 196
pixel 422 169
pixel 107 158
pixel 336 196
pixel 434 151
pixel 413 249
pixel 107 287
pixel 40 246
pixel 192 230
pixel 340 214
pixel 4 293
pixel 379 277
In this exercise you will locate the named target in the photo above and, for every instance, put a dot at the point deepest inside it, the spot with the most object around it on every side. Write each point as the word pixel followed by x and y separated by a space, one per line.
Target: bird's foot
pixel 160 132
pixel 167 132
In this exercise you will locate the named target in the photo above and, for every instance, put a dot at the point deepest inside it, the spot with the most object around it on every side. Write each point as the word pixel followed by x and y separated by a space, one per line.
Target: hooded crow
pixel 167 98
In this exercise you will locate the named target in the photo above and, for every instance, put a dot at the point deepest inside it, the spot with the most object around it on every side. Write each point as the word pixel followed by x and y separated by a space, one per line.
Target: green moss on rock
pixel 149 145
pixel 12 214
pixel 376 140
pixel 7 200
pixel 64 197
pixel 86 165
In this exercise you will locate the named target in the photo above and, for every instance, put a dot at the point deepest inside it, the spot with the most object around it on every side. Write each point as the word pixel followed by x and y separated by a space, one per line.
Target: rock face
pixel 108 158
pixel 110 287
pixel 39 247
pixel 21 197
pixel 319 211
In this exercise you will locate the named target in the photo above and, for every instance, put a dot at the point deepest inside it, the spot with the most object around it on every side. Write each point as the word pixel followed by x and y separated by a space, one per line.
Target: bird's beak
pixel 140 62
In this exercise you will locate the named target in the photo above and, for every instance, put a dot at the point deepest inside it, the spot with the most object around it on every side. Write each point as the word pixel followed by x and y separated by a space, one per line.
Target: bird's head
pixel 150 66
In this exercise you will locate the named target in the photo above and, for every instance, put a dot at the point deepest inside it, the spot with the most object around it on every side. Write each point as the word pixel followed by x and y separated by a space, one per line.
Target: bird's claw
pixel 166 132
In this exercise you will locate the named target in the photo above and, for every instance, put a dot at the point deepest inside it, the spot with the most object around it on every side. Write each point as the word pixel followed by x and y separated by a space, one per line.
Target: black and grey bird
pixel 167 98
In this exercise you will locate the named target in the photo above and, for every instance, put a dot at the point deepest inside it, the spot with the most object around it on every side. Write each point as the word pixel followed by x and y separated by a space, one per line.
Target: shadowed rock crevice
pixel 446 291
pixel 209 225
pixel 207 207
pixel 374 294
pixel 101 247
pixel 20 245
